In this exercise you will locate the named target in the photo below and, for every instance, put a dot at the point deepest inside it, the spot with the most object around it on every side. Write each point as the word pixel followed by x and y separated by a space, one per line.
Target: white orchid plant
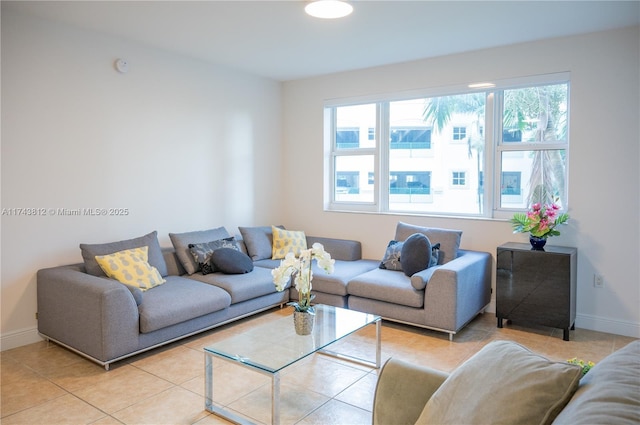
pixel 300 268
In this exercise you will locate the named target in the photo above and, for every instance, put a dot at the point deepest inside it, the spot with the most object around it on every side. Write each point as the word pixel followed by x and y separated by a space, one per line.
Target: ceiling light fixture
pixel 328 9
pixel 481 85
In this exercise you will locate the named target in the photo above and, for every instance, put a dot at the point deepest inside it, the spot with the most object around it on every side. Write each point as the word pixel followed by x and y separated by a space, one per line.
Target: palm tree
pixel 539 107
pixel 547 180
pixel 438 112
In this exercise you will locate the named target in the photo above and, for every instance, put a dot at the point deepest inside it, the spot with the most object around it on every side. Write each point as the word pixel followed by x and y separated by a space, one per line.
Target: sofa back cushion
pixel 258 240
pixel 609 393
pixel 181 243
pixel 340 249
pixel 449 240
pixel 504 383
pixel 156 258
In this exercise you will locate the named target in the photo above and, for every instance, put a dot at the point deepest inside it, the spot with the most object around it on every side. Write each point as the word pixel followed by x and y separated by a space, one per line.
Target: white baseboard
pixel 19 338
pixel 596 323
pixel 612 326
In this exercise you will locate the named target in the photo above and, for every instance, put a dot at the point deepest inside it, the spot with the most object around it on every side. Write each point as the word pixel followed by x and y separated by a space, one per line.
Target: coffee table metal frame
pixel 210 352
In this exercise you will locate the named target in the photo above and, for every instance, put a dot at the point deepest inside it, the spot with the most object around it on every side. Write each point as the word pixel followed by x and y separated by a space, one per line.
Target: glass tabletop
pixel 275 345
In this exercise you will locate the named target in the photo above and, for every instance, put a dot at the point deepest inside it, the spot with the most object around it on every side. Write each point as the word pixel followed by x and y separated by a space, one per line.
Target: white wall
pixel 184 145
pixel 604 162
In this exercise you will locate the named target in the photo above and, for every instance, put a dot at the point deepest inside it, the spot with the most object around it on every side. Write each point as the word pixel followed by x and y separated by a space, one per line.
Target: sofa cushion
pixel 156 259
pixel 285 241
pixel 181 242
pixel 131 267
pixel 504 383
pixel 241 287
pixel 386 285
pixel 609 393
pixel 416 254
pixel 231 261
pixel 202 252
pixel 178 300
pixel 258 240
pixel 449 239
pixel 343 271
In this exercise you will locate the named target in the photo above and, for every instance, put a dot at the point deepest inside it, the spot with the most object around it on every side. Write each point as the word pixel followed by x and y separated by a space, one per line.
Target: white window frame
pixel 492 153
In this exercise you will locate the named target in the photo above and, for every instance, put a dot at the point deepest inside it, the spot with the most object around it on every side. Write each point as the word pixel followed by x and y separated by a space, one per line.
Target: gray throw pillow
pixel 202 252
pixel 415 255
pixel 231 261
pixel 181 243
pixel 156 259
pixel 258 240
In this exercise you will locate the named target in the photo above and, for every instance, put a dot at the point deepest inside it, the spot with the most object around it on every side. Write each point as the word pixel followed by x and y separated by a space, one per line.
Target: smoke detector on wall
pixel 122 66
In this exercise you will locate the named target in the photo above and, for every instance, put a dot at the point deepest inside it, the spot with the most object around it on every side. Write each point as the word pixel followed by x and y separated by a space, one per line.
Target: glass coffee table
pixel 274 346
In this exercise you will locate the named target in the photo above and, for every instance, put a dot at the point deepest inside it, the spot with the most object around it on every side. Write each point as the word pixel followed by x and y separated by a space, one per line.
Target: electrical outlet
pixel 598 281
pixel 36 315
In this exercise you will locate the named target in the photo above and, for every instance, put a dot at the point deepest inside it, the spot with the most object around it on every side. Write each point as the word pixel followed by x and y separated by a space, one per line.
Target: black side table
pixel 537 286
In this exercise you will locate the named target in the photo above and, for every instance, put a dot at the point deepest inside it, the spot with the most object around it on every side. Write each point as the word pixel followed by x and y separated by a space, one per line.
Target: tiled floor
pixel 45 384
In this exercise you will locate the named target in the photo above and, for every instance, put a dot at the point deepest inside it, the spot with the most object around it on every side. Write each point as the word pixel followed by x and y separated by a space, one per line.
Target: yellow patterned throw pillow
pixel 285 241
pixel 131 267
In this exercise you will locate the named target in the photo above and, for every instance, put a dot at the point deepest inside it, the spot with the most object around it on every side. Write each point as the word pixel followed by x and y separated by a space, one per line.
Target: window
pixel 354 153
pixel 348 138
pixel 348 182
pixel 458 178
pixel 535 168
pixel 459 133
pixel 410 183
pixel 510 183
pixel 410 138
pixel 511 135
pixel 395 155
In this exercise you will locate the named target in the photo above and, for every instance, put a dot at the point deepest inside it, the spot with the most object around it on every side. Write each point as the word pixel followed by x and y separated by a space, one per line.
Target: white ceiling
pixel 276 39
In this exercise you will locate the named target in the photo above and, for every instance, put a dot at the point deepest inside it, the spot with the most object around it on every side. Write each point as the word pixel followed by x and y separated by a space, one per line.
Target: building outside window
pixel 395 156
pixel 511 183
pixel 348 182
pixel 347 137
pixel 410 138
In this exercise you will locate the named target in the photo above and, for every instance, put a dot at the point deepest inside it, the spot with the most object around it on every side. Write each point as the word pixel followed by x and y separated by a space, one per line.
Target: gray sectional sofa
pixel 107 321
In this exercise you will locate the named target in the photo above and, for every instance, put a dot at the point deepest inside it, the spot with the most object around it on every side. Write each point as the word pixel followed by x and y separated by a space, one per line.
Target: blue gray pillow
pixel 418 254
pixel 231 261
pixel 393 253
